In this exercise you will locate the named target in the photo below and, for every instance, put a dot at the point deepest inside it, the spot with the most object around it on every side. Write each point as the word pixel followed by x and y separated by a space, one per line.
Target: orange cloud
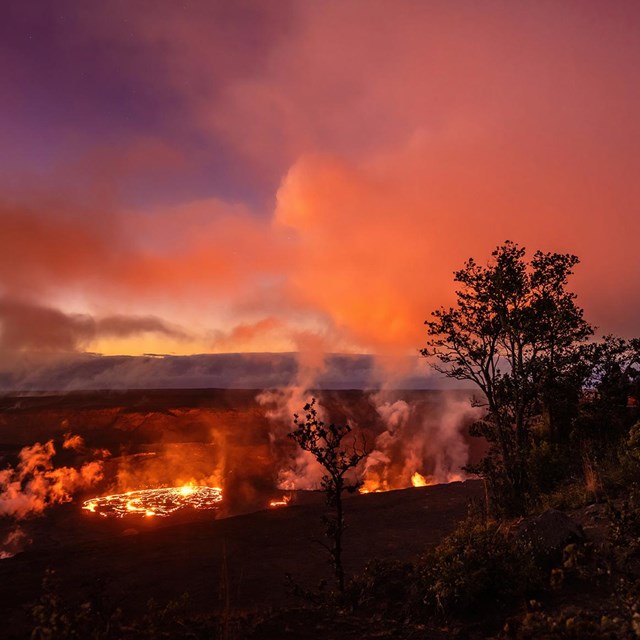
pixel 378 241
pixel 403 139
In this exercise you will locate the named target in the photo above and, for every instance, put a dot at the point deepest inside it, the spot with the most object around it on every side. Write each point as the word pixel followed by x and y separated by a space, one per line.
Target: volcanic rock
pixel 549 533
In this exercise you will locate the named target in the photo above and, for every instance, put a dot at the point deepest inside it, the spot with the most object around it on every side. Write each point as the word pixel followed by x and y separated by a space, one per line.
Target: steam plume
pixel 420 445
pixel 36 483
pixel 299 469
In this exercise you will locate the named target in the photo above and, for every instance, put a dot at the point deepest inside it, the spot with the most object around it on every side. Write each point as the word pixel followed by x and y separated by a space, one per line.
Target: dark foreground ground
pixel 245 556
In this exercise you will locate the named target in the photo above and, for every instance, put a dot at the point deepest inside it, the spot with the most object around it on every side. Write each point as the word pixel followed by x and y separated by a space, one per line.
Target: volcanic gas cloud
pixel 222 452
pixel 415 440
pixel 36 483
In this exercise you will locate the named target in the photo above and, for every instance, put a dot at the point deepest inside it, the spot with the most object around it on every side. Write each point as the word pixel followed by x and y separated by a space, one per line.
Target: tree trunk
pixel 337 550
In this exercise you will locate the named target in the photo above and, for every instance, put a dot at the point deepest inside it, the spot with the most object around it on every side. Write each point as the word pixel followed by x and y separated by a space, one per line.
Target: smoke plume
pixel 13 542
pixel 36 483
pixel 299 469
pixel 420 444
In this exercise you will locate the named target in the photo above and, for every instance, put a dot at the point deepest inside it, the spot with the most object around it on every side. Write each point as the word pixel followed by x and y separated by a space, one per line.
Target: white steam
pixel 35 483
pixel 299 469
pixel 429 441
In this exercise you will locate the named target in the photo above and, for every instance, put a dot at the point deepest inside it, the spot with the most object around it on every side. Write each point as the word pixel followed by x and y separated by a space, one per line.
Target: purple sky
pixel 190 177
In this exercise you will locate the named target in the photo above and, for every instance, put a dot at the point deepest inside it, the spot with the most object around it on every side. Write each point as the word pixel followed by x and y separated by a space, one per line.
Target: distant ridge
pixel 79 372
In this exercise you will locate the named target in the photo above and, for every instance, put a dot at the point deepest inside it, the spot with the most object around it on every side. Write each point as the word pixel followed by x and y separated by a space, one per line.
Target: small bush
pixel 572 624
pixel 479 568
pixel 624 533
pixel 94 618
pixel 476 569
pixel 389 589
pixel 613 616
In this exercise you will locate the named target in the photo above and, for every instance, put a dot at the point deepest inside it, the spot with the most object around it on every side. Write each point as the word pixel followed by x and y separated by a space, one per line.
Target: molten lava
pixel 372 486
pixel 274 504
pixel 155 502
pixel 379 485
pixel 418 480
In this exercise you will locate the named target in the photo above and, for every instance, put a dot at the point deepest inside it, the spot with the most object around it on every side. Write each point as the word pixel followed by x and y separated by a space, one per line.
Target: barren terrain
pixel 245 548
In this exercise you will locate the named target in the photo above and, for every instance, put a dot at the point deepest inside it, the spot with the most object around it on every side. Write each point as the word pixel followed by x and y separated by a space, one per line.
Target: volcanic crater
pixel 167 449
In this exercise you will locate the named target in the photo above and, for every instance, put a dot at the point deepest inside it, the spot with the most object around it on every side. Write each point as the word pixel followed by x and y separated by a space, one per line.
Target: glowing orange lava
pixel 155 502
pixel 380 485
pixel 274 504
pixel 418 480
pixel 372 486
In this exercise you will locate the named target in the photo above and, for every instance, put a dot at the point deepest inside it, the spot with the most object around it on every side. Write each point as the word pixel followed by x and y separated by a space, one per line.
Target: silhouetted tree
pixel 615 381
pixel 328 445
pixel 518 335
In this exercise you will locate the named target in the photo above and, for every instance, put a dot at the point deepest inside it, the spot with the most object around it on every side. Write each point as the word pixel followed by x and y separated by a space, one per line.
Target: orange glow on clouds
pixel 376 150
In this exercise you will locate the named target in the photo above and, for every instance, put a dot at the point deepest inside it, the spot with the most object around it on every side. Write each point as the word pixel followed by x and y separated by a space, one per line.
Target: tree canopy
pixel 517 333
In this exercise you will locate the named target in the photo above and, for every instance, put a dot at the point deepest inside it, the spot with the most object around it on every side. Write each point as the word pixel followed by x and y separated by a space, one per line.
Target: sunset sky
pixel 208 176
